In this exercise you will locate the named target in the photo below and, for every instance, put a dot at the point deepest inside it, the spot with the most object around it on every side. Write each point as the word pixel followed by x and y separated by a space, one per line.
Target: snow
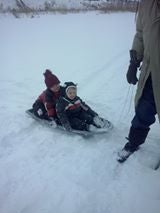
pixel 45 171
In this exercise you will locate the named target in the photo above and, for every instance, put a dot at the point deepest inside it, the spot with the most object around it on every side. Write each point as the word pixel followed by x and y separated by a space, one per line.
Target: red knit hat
pixel 50 79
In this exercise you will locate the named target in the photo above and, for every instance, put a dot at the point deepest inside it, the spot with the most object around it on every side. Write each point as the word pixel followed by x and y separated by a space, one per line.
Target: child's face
pixel 71 93
pixel 55 88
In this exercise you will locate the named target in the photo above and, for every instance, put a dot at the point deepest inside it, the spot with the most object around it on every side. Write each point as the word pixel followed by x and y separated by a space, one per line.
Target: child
pixel 44 106
pixel 72 112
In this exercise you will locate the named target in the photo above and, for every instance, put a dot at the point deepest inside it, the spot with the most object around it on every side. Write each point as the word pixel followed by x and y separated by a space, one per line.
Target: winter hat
pixel 50 79
pixel 68 85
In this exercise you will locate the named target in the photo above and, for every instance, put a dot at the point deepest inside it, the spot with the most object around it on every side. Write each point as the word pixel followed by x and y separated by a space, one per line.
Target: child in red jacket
pixel 44 106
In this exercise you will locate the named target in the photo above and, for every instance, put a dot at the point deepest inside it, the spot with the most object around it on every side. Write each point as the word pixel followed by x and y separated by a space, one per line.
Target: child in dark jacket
pixel 44 106
pixel 73 113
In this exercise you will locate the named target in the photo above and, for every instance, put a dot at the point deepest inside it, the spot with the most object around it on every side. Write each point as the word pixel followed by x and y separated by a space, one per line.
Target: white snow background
pixel 46 171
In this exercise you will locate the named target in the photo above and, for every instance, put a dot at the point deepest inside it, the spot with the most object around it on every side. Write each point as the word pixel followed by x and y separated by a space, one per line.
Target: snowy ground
pixel 44 171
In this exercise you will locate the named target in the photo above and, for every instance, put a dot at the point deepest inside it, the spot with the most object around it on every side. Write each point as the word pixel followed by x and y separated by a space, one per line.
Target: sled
pixel 84 133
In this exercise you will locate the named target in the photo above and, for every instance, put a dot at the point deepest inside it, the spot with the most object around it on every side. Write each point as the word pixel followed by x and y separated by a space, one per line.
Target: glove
pixel 133 68
pixel 67 127
pixel 52 122
pixel 132 74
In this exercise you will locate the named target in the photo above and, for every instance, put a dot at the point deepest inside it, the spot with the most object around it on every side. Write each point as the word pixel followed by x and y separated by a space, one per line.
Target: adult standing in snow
pixel 145 49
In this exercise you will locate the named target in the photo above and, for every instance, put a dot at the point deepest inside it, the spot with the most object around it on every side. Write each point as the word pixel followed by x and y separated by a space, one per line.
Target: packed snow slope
pixel 43 170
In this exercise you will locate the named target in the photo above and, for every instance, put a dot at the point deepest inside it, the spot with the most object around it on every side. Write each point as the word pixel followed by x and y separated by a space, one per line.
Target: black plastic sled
pixel 78 132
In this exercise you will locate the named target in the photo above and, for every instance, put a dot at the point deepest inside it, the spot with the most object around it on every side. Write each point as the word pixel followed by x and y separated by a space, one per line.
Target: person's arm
pixel 138 44
pixel 137 51
pixel 50 105
pixel 87 108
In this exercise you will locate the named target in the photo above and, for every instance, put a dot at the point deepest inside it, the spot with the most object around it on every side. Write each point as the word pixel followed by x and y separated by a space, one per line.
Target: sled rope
pixel 130 100
pixel 126 110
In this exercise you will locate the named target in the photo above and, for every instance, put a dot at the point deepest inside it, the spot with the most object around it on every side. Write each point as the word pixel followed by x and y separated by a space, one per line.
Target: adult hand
pixel 132 74
pixel 133 68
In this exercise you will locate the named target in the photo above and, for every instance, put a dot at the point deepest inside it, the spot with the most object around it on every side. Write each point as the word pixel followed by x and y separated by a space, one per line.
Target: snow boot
pixel 93 128
pixel 102 123
pixel 98 122
pixel 137 136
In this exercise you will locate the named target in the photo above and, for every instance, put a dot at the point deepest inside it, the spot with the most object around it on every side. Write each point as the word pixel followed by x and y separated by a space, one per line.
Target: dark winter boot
pixel 39 110
pixel 137 136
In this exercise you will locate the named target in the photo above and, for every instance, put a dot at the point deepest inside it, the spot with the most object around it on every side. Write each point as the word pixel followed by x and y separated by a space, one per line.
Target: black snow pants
pixel 81 121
